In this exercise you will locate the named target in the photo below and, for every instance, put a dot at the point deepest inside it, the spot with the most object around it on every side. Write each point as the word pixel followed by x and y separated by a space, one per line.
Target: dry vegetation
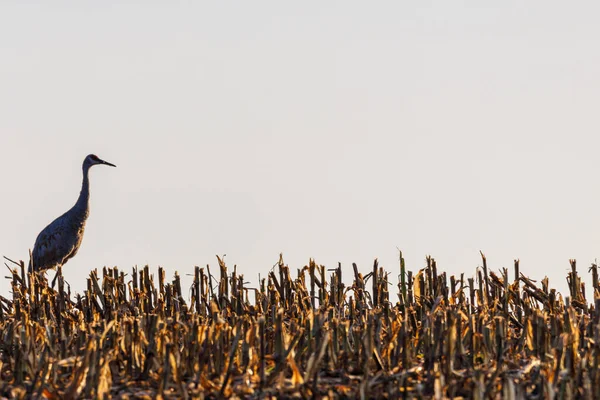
pixel 134 336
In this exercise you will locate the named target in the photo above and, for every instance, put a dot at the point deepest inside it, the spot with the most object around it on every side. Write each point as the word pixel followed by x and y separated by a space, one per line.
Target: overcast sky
pixel 335 130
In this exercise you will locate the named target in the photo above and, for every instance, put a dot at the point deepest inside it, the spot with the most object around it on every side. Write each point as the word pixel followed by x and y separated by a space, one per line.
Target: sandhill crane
pixel 60 240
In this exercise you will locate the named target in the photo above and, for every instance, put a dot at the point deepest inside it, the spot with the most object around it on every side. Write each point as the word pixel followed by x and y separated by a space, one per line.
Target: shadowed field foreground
pixel 134 336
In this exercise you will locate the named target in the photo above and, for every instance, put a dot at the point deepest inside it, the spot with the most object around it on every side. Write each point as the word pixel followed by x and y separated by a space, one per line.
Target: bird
pixel 60 240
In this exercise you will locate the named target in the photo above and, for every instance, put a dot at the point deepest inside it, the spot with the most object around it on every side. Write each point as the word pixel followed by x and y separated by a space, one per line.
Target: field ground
pixel 304 334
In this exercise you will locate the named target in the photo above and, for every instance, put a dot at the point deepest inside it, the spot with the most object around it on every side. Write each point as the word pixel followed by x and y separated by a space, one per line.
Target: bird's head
pixel 93 159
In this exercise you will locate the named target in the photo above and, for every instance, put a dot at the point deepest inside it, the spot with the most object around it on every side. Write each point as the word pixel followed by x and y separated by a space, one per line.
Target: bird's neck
pixel 84 195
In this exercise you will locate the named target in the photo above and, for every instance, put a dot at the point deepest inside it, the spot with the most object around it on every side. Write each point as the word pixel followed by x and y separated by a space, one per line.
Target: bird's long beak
pixel 107 163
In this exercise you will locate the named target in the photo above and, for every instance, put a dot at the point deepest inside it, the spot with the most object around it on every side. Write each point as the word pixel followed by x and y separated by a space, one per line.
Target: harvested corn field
pixel 299 334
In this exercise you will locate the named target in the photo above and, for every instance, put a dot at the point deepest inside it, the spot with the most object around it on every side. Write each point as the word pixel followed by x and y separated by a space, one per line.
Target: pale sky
pixel 333 130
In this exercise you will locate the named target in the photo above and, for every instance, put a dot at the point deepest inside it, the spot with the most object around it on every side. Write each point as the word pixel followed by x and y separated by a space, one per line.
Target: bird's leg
pixel 58 273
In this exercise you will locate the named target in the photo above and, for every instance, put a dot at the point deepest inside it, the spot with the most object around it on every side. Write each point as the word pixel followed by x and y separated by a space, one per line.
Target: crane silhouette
pixel 60 240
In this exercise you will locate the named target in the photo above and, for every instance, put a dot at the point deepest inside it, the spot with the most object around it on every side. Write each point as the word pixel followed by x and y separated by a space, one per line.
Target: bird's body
pixel 60 240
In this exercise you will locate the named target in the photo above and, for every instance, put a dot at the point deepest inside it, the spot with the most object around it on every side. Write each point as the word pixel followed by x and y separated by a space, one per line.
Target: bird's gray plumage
pixel 60 240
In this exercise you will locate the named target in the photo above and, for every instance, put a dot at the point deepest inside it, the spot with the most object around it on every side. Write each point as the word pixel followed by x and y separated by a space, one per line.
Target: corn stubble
pixel 135 336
